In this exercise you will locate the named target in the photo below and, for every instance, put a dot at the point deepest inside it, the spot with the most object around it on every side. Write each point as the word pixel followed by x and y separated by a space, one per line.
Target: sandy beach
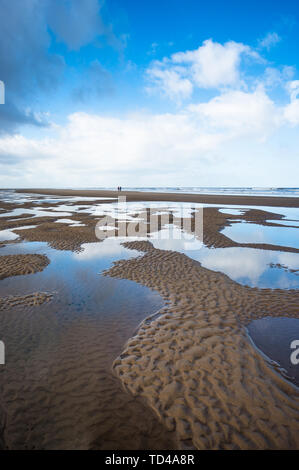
pixel 185 375
pixel 178 197
pixel 149 229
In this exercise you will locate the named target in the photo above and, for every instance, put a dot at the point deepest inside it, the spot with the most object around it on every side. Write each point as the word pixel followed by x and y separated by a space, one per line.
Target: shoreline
pixel 270 201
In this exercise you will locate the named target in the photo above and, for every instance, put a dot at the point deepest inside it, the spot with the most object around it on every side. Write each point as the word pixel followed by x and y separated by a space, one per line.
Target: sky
pixel 149 93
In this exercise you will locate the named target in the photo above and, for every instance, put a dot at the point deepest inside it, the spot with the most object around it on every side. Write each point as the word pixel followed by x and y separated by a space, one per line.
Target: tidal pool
pixel 57 375
pixel 278 339
pixel 247 266
pixel 244 232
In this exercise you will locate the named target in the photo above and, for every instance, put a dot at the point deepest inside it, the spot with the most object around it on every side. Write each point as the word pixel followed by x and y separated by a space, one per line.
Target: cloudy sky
pixel 149 93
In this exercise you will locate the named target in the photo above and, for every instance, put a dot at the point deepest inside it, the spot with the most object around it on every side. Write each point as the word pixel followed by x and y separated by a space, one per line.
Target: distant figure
pixel 120 188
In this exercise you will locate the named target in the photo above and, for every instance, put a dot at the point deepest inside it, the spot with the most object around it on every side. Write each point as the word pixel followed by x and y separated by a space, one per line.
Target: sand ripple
pixel 194 364
pixel 14 265
pixel 61 236
pixel 29 300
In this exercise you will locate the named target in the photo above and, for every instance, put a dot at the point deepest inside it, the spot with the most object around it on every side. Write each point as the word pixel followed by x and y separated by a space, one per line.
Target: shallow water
pixel 247 266
pixel 7 235
pixel 242 232
pixel 33 213
pixel 274 337
pixel 57 374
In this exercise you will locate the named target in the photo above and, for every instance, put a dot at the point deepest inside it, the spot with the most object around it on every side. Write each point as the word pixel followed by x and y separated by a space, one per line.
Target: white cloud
pixel 171 82
pixel 237 263
pixel 91 149
pixel 291 111
pixel 270 40
pixel 212 65
pixel 241 113
pixel 275 77
pixel 224 140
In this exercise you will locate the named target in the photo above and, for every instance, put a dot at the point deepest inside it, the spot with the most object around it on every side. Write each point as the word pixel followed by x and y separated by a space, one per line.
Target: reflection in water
pixel 232 211
pixel 33 213
pixel 58 370
pixel 7 235
pixel 288 222
pixel 273 336
pixel 70 222
pixel 256 268
pixel 172 238
pixel 253 233
pixel 247 266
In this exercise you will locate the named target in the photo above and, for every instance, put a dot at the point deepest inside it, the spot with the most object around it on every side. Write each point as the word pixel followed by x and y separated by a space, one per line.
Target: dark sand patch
pixel 14 265
pixel 61 236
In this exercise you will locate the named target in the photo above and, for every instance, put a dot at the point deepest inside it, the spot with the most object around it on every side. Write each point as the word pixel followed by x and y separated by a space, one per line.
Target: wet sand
pixel 176 197
pixel 194 363
pixel 17 265
pixel 188 378
pixel 14 265
pixel 57 390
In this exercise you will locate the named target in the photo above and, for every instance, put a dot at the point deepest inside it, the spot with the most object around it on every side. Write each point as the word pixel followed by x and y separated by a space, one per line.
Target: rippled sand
pixel 195 365
pixel 14 265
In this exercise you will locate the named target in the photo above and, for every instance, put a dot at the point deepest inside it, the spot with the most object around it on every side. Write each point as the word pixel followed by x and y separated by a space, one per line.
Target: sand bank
pixel 14 265
pixel 195 365
pixel 176 197
pixel 61 236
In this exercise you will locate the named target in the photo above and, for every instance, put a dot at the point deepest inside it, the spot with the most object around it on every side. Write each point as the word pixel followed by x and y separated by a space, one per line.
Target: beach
pixel 179 197
pixel 143 342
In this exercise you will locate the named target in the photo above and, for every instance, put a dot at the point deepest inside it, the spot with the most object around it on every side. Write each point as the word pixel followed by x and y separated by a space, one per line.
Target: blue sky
pixel 151 93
